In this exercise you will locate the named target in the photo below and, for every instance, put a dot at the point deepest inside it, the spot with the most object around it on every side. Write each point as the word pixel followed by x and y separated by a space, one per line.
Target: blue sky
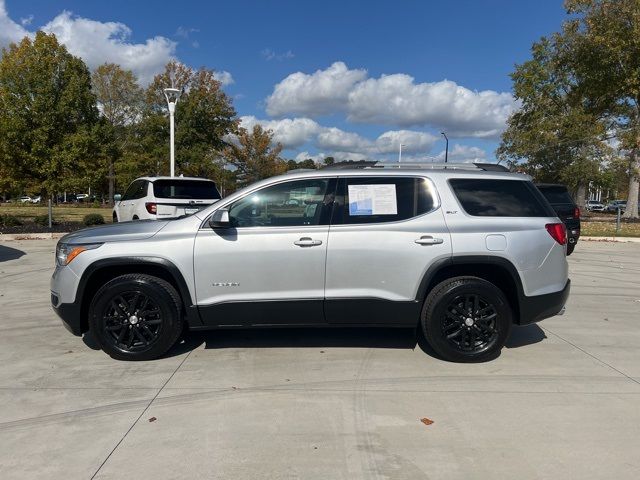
pixel 349 79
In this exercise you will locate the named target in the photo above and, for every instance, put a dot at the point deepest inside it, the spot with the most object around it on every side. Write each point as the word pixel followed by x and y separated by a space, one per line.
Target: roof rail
pixel 488 167
pixel 350 164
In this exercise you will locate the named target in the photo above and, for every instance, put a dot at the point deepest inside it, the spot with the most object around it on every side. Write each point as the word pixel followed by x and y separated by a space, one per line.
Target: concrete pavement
pixel 562 401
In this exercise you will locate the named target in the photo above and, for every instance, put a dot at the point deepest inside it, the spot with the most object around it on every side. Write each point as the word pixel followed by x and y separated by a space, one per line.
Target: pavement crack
pixel 593 356
pixel 141 415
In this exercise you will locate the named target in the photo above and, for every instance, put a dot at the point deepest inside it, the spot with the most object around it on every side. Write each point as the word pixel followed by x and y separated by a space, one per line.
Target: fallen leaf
pixel 426 421
pixel 152 419
pixel 321 351
pixel 235 388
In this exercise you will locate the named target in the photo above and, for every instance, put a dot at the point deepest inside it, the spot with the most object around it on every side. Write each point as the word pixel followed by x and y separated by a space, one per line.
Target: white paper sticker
pixel 372 200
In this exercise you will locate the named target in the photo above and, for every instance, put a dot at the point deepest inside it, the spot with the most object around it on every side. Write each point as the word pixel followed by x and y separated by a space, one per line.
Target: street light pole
pixel 400 153
pixel 446 150
pixel 172 95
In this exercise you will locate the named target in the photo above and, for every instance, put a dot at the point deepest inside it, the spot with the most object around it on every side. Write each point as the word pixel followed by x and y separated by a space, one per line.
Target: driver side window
pixel 296 203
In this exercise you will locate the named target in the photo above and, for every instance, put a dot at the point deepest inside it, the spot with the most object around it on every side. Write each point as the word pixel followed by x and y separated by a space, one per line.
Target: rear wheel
pixel 136 317
pixel 570 248
pixel 466 319
pixel 115 218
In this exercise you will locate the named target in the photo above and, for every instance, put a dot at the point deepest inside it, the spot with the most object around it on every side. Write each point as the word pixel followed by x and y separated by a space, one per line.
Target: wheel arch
pixel 497 270
pixel 101 271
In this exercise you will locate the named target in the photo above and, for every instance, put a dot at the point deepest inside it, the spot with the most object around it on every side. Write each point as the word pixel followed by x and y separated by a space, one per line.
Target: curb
pixel 9 237
pixel 607 239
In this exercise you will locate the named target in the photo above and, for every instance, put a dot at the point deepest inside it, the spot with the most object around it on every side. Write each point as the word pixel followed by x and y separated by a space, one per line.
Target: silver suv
pixel 461 252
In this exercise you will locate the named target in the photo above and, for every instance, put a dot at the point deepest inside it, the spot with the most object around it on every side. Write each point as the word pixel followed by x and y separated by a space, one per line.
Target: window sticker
pixel 372 200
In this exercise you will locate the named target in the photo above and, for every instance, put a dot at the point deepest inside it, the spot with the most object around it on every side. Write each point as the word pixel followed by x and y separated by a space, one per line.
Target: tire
pixel 127 332
pixel 470 337
pixel 570 248
pixel 115 218
pixel 135 217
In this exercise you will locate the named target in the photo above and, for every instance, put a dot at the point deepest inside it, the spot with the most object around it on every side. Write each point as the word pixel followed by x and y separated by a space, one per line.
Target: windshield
pixel 186 189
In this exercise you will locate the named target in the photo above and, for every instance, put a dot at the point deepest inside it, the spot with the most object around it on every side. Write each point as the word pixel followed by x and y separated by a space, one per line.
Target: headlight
pixel 65 253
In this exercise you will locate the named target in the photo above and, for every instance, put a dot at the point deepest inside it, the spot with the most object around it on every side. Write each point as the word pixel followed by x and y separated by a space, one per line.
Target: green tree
pixel 605 47
pixel 254 156
pixel 48 115
pixel 204 117
pixel 329 160
pixel 120 100
pixel 554 131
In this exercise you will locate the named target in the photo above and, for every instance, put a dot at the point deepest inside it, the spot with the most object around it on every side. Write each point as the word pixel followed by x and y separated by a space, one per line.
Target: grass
pixel 608 229
pixel 64 213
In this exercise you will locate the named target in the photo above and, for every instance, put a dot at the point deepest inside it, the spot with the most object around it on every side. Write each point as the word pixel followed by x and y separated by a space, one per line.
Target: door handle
pixel 307 242
pixel 429 240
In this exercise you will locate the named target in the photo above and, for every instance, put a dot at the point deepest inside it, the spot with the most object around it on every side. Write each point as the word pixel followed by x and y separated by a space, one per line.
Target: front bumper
pixel 69 313
pixel 539 307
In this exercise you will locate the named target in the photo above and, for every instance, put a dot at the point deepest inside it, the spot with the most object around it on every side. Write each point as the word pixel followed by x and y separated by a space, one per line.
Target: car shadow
pixel 400 338
pixel 525 335
pixel 8 253
pixel 347 337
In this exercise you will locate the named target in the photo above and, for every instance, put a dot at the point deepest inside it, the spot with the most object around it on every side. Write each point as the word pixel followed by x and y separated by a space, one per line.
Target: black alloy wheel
pixel 136 317
pixel 470 323
pixel 132 321
pixel 466 319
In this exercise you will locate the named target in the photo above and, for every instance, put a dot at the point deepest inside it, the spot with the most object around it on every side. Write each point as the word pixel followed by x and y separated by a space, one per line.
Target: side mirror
pixel 117 197
pixel 220 219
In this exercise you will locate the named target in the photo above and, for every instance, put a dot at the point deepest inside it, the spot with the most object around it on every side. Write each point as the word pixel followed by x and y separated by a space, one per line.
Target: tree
pixel 120 102
pixel 329 160
pixel 553 130
pixel 606 61
pixel 254 156
pixel 47 115
pixel 204 117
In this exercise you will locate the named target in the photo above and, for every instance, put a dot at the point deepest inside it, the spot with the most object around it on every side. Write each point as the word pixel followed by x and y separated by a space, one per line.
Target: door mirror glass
pixel 220 219
pixel 117 197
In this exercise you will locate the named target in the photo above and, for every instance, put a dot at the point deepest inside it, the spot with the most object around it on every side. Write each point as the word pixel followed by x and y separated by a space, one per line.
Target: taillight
pixel 152 208
pixel 558 231
pixel 576 212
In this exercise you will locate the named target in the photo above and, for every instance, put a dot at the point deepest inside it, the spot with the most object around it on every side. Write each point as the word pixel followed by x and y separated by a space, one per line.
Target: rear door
pixel 176 197
pixel 385 233
pixel 127 204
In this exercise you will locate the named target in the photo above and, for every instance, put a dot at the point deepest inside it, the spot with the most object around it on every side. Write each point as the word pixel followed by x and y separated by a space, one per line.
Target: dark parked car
pixel 566 209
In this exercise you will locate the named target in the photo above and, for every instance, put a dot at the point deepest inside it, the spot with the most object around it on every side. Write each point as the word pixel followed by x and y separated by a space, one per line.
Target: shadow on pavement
pixel 8 253
pixel 526 335
pixel 398 338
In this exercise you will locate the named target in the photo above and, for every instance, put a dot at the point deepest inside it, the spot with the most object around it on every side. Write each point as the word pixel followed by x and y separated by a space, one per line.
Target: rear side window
pixel 381 199
pixel 185 189
pixel 136 190
pixel 556 194
pixel 500 198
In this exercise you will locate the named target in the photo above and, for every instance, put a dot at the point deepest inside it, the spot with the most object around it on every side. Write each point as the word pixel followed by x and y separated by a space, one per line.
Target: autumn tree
pixel 47 115
pixel 254 155
pixel 120 100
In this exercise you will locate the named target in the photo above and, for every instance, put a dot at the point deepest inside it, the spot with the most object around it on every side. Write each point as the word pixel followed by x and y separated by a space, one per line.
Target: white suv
pixel 164 197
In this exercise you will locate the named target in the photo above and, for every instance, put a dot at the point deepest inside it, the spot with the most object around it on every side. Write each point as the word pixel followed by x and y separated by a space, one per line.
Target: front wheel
pixel 466 319
pixel 136 317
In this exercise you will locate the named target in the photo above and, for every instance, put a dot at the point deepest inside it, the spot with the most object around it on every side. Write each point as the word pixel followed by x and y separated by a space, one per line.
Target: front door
pixel 269 267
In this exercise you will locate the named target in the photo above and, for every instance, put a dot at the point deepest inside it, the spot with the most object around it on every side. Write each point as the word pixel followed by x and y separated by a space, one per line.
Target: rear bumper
pixel 534 309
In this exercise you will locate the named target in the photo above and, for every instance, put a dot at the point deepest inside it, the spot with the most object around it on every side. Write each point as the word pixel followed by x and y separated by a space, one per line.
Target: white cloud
pixel 317 158
pixel 97 42
pixel 325 91
pixel 224 77
pixel 100 42
pixel 25 21
pixel 269 55
pixel 392 100
pixel 10 31
pixel 296 132
pixel 291 133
